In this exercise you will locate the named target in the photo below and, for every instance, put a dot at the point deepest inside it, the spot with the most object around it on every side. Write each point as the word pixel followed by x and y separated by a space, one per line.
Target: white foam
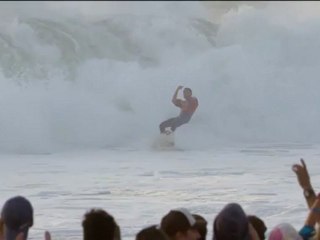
pixel 107 80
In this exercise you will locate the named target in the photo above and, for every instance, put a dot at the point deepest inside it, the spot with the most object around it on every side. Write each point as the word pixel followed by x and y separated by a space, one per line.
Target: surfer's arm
pixel 175 100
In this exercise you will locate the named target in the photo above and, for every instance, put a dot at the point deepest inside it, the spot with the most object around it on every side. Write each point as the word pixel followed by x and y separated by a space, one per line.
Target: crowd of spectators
pixel 231 223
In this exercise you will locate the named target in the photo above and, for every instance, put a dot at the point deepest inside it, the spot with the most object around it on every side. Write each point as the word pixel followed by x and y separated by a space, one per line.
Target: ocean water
pixel 138 187
pixel 84 86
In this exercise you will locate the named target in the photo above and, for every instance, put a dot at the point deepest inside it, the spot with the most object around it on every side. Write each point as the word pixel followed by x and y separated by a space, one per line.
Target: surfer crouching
pixel 187 106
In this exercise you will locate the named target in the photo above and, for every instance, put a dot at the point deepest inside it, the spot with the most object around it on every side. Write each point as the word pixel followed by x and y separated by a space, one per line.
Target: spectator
pixel 201 226
pixel 151 233
pixel 179 224
pixel 17 218
pixel 232 224
pixel 258 225
pixel 99 225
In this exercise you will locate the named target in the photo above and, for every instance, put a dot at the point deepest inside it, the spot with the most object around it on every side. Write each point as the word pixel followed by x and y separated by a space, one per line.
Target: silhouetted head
pixel 201 226
pixel 117 234
pixel 179 224
pixel 99 225
pixel 231 224
pixel 151 233
pixel 187 93
pixel 16 217
pixel 258 225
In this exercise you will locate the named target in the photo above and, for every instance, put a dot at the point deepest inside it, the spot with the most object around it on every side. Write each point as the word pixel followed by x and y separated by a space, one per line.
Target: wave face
pixel 71 81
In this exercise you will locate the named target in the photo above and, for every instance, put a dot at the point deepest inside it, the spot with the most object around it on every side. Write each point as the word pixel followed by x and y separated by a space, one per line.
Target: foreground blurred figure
pixel 151 233
pixel 179 224
pixel 201 226
pixel 17 218
pixel 232 224
pixel 99 225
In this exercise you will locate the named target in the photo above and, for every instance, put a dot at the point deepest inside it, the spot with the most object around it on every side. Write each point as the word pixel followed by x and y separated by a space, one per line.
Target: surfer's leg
pixel 179 121
pixel 165 124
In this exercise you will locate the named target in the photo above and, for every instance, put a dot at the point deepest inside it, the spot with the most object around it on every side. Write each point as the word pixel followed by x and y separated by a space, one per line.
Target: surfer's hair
pixel 188 89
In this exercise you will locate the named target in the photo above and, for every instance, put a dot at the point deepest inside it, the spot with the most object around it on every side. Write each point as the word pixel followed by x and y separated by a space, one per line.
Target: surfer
pixel 187 106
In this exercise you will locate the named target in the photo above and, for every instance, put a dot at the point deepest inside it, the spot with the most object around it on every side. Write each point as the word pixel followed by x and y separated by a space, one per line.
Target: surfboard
pixel 164 141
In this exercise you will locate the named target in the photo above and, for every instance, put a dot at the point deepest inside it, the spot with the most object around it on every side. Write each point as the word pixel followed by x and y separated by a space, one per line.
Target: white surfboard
pixel 164 141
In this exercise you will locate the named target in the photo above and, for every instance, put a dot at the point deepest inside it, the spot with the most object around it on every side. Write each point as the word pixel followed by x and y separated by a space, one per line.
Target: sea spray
pixel 80 81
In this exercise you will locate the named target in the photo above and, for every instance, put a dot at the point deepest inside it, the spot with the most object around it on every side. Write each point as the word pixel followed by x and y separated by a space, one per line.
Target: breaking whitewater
pixel 84 89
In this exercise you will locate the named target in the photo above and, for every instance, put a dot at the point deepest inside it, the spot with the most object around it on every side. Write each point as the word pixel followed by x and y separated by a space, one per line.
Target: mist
pixel 77 75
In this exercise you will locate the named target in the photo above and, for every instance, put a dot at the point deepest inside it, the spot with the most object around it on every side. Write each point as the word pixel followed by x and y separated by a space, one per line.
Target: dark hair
pixel 151 233
pixel 174 222
pixel 258 225
pixel 188 89
pixel 117 234
pixel 231 223
pixel 17 217
pixel 98 225
pixel 201 226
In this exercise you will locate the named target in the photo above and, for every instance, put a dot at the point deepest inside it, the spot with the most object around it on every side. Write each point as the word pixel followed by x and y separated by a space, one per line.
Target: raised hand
pixel 47 235
pixel 179 87
pixel 302 174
